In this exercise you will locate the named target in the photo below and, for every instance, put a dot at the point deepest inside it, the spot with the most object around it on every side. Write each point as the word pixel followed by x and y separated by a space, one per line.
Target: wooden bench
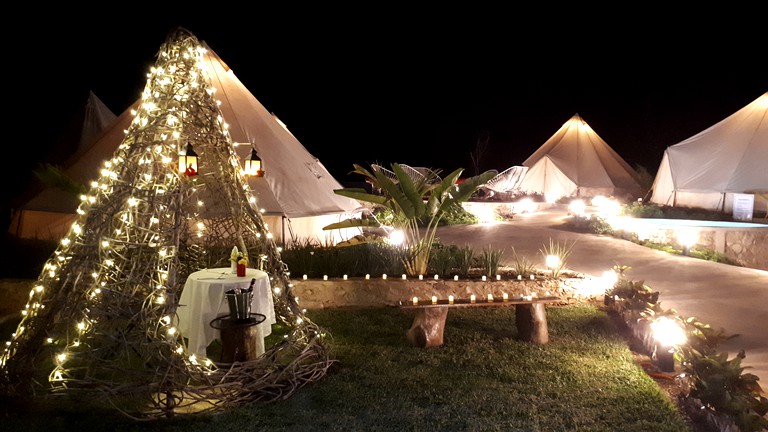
pixel 429 321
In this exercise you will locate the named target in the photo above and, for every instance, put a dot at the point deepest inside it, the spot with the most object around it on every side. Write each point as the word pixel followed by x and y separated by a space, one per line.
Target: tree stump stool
pixel 428 326
pixel 531 321
pixel 240 338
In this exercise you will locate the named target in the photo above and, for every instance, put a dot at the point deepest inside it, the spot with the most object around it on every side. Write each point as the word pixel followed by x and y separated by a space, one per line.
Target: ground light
pixel 667 335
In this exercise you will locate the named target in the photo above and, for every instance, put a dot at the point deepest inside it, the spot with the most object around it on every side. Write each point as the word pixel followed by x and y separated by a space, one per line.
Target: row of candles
pixel 473 298
pixel 421 277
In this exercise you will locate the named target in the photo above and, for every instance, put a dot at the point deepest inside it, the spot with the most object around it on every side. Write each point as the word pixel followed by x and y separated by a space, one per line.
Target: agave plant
pixel 413 203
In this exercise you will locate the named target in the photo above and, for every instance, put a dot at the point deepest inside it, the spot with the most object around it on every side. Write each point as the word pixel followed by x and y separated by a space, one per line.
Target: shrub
pixel 562 251
pixel 464 260
pixel 521 266
pixel 490 259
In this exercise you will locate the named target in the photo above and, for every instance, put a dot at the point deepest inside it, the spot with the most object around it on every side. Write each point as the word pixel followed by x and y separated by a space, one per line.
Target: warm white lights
pixel 667 332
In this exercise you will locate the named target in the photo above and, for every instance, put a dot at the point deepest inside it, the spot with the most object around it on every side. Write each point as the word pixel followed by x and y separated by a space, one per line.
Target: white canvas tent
pixel 705 170
pixel 296 194
pixel 576 162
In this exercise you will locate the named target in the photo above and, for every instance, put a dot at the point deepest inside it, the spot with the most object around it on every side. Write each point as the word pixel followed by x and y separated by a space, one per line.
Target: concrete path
pixel 723 296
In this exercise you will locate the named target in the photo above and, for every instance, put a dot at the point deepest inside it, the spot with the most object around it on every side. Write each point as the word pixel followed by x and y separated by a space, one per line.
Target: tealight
pixel 490 297
pixel 325 277
pixel 456 277
pixel 345 277
pixel 403 276
pixel 472 298
pixel 304 277
pixel 519 277
pixel 498 277
pixel 450 299
pixel 533 277
pixel 415 300
pixel 484 278
pixel 421 277
pixel 384 276
pixel 434 299
pixel 367 276
pixel 505 296
pixel 437 277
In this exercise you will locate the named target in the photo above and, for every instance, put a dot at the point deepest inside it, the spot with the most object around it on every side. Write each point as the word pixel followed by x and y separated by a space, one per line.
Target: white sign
pixel 743 206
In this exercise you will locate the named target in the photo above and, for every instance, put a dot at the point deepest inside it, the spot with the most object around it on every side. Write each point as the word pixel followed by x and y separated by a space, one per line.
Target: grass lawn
pixel 481 379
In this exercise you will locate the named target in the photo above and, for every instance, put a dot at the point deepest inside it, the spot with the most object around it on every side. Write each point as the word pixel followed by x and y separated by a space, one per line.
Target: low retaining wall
pixel 320 294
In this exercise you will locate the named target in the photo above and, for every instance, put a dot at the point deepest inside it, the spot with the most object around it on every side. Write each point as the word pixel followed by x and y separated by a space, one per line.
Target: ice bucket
pixel 239 303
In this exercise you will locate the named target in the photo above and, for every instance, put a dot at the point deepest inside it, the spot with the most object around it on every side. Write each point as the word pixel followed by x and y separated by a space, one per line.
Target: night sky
pixel 401 86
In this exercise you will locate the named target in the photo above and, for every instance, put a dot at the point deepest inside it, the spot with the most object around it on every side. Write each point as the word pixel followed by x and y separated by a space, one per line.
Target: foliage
pixel 655 211
pixel 315 260
pixel 490 259
pixel 455 215
pixel 417 206
pixel 521 265
pixel 464 260
pixel 54 177
pixel 562 250
pixel 441 261
pixel 592 224
pixel 718 383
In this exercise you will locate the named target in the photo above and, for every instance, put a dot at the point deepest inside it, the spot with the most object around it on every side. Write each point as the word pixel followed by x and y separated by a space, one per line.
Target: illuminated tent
pixel 576 162
pixel 101 322
pixel 295 193
pixel 729 157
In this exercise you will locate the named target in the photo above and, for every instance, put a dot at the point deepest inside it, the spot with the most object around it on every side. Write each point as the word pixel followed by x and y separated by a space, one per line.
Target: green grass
pixel 481 379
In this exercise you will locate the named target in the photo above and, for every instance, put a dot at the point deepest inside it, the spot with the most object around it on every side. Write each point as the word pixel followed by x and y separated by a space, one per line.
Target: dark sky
pixel 416 88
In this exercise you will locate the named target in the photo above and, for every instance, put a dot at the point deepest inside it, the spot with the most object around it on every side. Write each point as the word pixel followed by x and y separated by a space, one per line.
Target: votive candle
pixel 456 277
pixel 490 297
pixel 472 298
pixel 415 300
pixel 367 276
pixel 384 276
pixel 421 277
pixel 519 277
pixel 450 299
pixel 484 278
pixel 325 277
pixel 304 277
pixel 434 299
pixel 403 276
pixel 533 277
pixel 345 277
pixel 505 296
pixel 498 277
pixel 437 277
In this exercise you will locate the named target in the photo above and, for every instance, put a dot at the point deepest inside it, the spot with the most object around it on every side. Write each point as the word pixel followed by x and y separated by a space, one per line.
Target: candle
pixel 367 276
pixel 437 277
pixel 533 277
pixel 505 296
pixel 304 277
pixel 434 299
pixel 472 298
pixel 456 277
pixel 421 277
pixel 483 278
pixel 384 276
pixel 403 276
pixel 415 300
pixel 498 277
pixel 528 298
pixel 490 298
pixel 325 277
pixel 450 299
pixel 345 277
pixel 519 277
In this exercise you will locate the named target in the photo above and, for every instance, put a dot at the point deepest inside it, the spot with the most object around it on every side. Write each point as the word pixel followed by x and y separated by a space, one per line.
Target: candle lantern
pixel 253 165
pixel 188 161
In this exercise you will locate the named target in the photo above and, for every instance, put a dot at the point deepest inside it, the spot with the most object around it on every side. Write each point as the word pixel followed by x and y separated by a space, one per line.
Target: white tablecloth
pixel 202 300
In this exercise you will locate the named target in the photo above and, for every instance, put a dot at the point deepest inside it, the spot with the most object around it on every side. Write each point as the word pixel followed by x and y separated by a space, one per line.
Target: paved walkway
pixel 723 296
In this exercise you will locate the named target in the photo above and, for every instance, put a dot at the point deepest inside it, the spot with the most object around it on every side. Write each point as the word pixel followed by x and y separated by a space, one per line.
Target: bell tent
pixel 576 162
pixel 101 321
pixel 707 169
pixel 295 194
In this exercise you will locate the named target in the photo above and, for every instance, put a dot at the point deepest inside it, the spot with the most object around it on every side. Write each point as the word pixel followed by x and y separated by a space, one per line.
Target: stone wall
pixel 359 292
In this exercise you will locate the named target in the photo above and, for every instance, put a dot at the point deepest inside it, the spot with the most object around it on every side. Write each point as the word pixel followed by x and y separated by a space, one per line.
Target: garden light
pixel 396 237
pixel 687 238
pixel 577 207
pixel 667 334
pixel 552 261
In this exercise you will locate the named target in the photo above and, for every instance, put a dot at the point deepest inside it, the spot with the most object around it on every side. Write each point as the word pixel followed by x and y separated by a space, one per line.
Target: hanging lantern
pixel 253 165
pixel 188 161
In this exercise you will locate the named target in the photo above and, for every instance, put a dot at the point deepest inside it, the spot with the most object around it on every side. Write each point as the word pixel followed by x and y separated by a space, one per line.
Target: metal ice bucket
pixel 239 303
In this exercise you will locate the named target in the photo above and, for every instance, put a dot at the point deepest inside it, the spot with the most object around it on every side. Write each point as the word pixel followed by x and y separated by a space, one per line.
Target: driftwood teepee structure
pixel 101 318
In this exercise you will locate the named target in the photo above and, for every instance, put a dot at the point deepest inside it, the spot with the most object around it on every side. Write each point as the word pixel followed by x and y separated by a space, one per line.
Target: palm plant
pixel 413 203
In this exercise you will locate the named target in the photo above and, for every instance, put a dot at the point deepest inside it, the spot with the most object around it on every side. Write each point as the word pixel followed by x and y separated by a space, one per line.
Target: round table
pixel 203 300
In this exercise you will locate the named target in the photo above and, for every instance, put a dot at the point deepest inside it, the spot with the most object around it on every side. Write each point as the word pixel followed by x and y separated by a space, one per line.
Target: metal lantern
pixel 253 165
pixel 188 161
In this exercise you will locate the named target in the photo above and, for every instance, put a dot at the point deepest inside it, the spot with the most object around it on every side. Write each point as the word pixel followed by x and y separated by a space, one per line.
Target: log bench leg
pixel 428 326
pixel 531 320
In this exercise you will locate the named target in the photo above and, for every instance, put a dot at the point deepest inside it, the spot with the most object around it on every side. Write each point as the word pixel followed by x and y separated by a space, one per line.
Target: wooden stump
pixel 240 341
pixel 428 326
pixel 531 320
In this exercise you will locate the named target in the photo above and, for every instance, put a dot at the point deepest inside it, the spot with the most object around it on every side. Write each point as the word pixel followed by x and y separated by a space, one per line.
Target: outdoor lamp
pixel 253 165
pixel 552 261
pixel 688 238
pixel 667 334
pixel 188 161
